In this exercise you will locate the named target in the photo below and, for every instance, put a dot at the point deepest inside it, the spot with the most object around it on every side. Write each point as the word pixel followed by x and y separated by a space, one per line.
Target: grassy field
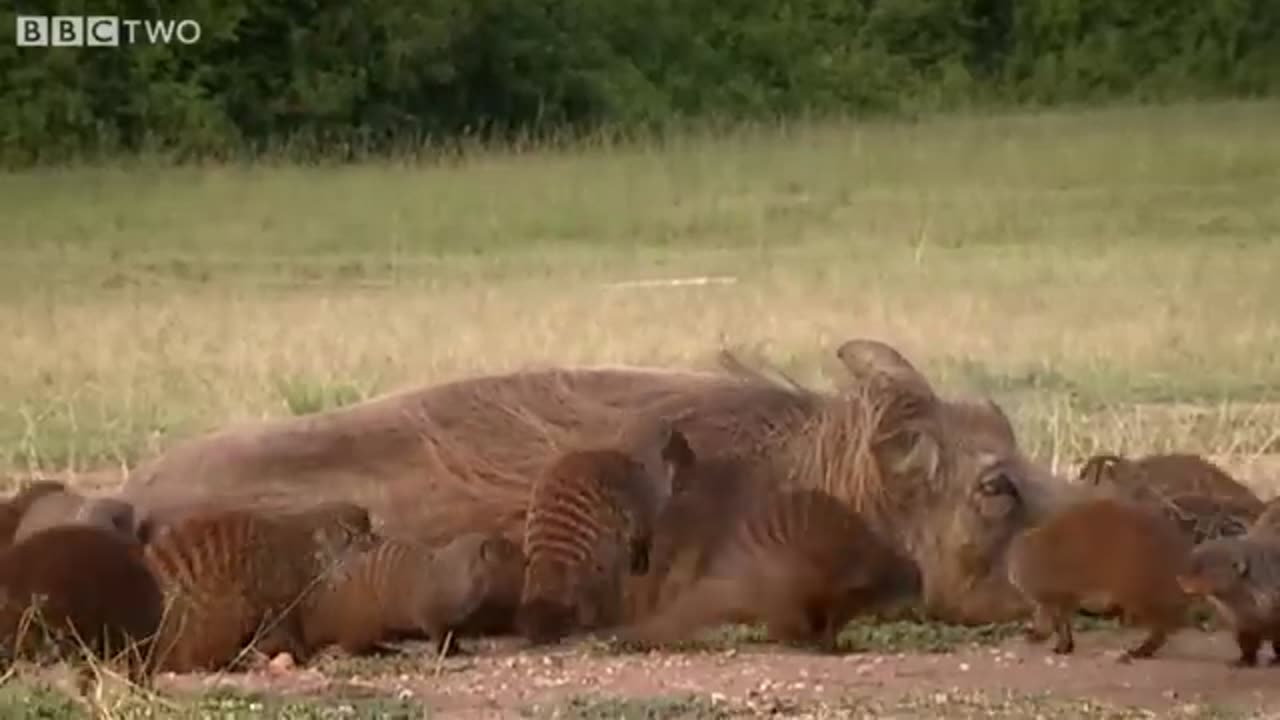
pixel 1113 277
pixel 1110 275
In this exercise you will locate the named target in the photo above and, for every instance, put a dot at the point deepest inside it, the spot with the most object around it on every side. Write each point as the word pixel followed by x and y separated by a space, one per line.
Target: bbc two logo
pixel 101 31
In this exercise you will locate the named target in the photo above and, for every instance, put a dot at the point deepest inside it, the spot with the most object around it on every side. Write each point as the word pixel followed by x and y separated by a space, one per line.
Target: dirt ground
pixel 1191 677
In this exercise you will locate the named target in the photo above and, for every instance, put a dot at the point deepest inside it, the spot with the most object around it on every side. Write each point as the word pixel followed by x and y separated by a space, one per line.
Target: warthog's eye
pixel 996 495
pixel 998 484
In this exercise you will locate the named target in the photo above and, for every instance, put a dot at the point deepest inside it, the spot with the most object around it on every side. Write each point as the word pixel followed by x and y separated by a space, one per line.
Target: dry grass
pixel 1111 276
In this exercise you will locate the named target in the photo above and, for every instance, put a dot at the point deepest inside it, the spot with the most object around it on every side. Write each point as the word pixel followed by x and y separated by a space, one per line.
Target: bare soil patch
pixel 1190 678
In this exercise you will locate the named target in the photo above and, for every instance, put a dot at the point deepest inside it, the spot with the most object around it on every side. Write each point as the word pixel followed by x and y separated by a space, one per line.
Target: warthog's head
pixel 961 486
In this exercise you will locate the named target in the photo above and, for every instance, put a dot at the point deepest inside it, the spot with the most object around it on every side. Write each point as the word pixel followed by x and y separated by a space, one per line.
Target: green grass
pixel 42 701
pixel 968 705
pixel 962 705
pixel 1108 275
pixel 588 707
pixel 868 635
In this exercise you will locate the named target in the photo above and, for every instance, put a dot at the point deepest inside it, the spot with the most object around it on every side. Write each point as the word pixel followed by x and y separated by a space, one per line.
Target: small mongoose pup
pixel 76 587
pixel 405 588
pixel 1107 551
pixel 67 507
pixel 589 524
pixel 237 578
pixel 13 509
pixel 1240 577
pixel 798 560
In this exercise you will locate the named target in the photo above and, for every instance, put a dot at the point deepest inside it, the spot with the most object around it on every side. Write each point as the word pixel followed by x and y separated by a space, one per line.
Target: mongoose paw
pixel 382 649
pixel 1244 662
pixel 630 641
pixel 1034 636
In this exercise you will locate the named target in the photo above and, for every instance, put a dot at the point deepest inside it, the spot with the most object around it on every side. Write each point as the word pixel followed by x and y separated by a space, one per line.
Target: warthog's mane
pixel 484 458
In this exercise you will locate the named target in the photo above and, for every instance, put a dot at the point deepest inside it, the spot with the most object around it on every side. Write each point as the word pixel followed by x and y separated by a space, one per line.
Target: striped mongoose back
pixel 589 524
pixel 798 560
pixel 398 587
pixel 235 578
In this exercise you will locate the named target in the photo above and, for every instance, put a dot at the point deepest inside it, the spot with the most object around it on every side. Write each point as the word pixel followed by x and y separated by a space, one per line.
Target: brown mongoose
pixel 1201 497
pixel 73 587
pixel 589 524
pixel 1169 474
pixel 13 509
pixel 398 587
pixel 231 576
pixel 67 507
pixel 1107 551
pixel 798 560
pixel 1240 577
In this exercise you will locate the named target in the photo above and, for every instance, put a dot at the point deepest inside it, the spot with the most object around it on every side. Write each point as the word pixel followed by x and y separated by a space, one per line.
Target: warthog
pixel 944 481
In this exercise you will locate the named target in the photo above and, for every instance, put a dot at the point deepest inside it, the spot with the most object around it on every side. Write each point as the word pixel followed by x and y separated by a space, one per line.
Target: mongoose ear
pixel 1098 467
pixel 145 529
pixel 676 450
pixel 639 556
pixel 1241 566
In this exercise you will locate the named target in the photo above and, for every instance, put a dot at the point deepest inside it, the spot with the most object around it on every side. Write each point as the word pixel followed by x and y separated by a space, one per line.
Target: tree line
pixel 343 79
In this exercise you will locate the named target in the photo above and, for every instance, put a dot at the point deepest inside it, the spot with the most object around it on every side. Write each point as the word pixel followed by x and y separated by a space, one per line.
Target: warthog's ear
pixel 872 361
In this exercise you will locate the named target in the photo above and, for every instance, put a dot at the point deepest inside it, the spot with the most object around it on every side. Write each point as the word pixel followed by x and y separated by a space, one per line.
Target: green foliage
pixel 337 80
pixel 588 707
pixel 304 397
pixel 25 699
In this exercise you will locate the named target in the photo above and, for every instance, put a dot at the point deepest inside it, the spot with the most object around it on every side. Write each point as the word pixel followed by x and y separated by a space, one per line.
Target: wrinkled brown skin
pixel 398 588
pixel 1240 577
pixel 95 587
pixel 797 560
pixel 590 523
pixel 13 509
pixel 68 507
pixel 234 579
pixel 1117 552
pixel 460 457
pixel 1200 496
